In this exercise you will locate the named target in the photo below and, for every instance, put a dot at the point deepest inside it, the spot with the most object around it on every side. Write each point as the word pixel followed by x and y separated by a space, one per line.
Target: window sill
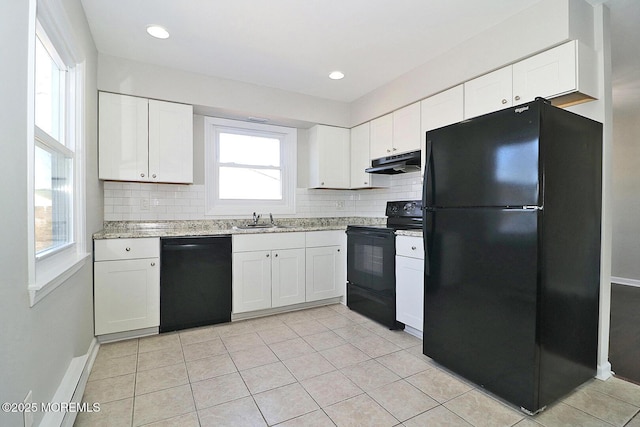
pixel 48 281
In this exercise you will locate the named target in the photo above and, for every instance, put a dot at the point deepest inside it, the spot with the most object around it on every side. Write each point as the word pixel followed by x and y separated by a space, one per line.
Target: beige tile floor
pixel 318 367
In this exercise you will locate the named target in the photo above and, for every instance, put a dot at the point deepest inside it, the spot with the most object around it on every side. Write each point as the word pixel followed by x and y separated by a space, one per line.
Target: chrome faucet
pixel 256 218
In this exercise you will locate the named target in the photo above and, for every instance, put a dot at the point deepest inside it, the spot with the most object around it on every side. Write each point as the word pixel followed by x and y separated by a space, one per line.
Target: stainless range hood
pixel 400 163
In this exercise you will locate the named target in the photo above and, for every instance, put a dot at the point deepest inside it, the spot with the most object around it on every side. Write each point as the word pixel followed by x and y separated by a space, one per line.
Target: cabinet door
pixel 126 295
pixel 406 129
pixel 123 137
pixel 440 110
pixel 360 159
pixel 287 277
pixel 170 142
pixel 548 74
pixel 329 157
pixel 410 291
pixel 251 281
pixel 381 137
pixel 326 272
pixel 491 92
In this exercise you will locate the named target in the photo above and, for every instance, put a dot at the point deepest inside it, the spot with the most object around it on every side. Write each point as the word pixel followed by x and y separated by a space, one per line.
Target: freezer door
pixel 481 296
pixel 490 160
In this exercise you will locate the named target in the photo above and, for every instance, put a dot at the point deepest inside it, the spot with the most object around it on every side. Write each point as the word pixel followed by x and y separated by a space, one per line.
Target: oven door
pixel 371 259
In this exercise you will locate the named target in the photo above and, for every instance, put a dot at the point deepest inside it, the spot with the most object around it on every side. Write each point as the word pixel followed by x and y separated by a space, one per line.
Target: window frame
pixel 214 206
pixel 49 269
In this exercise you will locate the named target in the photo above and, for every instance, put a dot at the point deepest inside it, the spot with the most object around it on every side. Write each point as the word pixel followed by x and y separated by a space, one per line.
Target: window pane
pixel 249 150
pixel 53 200
pixel 246 183
pixel 50 89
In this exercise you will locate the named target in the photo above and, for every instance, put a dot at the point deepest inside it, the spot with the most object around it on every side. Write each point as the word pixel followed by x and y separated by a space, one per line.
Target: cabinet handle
pixel 276 255
pixel 128 249
pixel 394 149
pixel 338 250
pixel 517 98
pixel 365 183
pixel 413 248
pixel 142 175
pixel 154 175
pixel 267 255
pixel 322 183
pixel 153 264
pixel 388 151
pixel 504 101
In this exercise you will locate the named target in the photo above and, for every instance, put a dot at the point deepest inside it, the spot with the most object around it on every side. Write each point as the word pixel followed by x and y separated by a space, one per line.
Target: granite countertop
pixel 412 233
pixel 136 229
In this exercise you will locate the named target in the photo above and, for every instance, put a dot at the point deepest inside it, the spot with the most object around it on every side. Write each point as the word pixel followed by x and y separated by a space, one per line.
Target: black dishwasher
pixel 195 281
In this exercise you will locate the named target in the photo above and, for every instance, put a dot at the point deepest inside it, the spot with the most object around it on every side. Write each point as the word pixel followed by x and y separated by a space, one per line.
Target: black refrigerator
pixel 512 212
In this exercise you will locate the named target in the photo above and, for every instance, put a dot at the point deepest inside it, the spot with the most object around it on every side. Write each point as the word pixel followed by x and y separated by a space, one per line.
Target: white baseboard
pixel 604 372
pixel 72 387
pixel 624 281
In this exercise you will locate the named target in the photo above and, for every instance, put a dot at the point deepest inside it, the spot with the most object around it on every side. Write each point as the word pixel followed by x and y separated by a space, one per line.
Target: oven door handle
pixel 373 234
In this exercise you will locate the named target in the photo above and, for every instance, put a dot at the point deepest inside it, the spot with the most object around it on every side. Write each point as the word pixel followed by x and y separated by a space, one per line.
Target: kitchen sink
pixel 259 226
pixel 254 226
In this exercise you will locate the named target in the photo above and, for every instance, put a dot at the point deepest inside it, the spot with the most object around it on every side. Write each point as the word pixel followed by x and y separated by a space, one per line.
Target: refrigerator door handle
pixel 427 172
pixel 425 240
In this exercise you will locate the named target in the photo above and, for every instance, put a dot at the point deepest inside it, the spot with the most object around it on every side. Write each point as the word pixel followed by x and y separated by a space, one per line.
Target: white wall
pixel 37 344
pixel 218 97
pixel 543 25
pixel 626 197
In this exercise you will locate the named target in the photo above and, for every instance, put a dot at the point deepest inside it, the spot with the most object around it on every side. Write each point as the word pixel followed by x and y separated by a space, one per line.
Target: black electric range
pixel 371 262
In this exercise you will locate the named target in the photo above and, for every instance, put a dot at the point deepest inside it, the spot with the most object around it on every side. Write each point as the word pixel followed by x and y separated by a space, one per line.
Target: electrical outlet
pixel 28 415
pixel 340 204
pixel 144 204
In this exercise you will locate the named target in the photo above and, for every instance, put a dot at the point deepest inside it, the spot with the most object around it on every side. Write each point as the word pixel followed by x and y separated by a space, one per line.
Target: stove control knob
pixel 409 206
pixel 394 208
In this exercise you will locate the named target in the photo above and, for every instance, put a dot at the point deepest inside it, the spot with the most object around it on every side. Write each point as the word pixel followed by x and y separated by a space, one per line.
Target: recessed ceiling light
pixel 336 75
pixel 157 31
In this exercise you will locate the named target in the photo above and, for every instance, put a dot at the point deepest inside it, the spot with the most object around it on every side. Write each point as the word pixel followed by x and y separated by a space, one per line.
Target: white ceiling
pixel 294 44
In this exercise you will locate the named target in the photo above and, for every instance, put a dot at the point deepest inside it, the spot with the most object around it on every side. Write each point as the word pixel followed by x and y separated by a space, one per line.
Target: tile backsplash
pixel 133 201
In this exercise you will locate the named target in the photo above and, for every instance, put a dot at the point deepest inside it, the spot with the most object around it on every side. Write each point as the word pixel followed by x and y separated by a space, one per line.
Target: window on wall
pixel 54 151
pixel 56 171
pixel 250 167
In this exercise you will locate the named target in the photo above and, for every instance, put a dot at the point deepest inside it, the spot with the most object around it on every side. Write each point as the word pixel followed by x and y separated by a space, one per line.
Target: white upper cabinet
pixel 487 93
pixel 144 140
pixel 170 142
pixel 406 129
pixel 360 136
pixel 440 110
pixel 329 157
pixel 565 71
pixel 565 75
pixel 381 138
pixel 396 133
pixel 123 137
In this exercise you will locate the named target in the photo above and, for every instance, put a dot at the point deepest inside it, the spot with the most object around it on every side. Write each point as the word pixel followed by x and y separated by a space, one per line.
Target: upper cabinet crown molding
pixel 144 140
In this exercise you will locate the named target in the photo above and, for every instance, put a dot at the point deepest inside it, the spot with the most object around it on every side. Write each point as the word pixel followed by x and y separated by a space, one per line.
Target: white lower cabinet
pixel 280 269
pixel 326 272
pixel 410 281
pixel 268 271
pixel 326 255
pixel 126 285
pixel 251 281
pixel 287 277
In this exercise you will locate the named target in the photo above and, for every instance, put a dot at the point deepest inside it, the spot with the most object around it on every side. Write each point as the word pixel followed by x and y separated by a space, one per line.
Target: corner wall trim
pixel 604 371
pixel 625 281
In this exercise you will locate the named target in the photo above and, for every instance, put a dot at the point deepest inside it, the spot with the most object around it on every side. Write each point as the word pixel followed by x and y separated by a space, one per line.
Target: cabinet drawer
pixel 326 238
pixel 117 249
pixel 410 247
pixel 267 241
